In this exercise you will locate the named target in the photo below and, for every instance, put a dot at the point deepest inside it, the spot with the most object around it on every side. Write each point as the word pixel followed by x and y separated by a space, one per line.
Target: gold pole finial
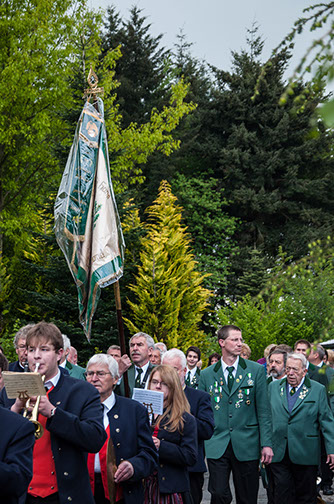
pixel 93 90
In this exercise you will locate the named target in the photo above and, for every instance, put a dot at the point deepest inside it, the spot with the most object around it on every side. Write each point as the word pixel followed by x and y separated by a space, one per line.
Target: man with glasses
pixel 21 364
pixel 127 425
pixel 242 416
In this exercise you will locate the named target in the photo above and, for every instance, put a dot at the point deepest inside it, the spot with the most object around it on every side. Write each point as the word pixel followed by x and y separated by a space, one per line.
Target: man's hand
pixel 123 364
pixel 156 442
pixel 124 471
pixel 266 455
pixel 18 406
pixel 45 407
pixel 330 460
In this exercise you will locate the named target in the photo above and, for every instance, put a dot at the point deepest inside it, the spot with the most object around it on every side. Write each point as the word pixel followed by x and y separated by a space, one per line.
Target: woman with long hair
pixel 175 438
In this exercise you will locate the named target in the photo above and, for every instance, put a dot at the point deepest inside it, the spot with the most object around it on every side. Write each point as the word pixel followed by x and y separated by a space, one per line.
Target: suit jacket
pixel 16 444
pixel 200 408
pixel 120 390
pixel 15 367
pixel 131 434
pixel 243 415
pixel 325 376
pixel 176 452
pixel 76 428
pixel 300 429
pixel 75 371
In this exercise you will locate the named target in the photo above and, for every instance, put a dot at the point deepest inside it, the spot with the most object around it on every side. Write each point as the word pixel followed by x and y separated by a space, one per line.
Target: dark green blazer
pixel 300 429
pixel 75 371
pixel 243 415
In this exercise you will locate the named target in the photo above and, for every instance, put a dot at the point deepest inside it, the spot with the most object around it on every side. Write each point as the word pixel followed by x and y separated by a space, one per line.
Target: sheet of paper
pixel 151 399
pixel 26 384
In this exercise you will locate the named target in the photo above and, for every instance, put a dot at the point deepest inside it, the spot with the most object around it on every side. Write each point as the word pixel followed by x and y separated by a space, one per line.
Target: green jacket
pixel 300 429
pixel 75 371
pixel 242 416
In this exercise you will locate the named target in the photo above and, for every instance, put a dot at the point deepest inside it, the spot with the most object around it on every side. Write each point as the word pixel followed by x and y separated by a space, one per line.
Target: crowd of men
pixel 271 418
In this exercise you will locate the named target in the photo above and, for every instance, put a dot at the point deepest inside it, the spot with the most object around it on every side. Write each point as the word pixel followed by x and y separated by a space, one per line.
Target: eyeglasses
pixel 99 374
pixel 161 383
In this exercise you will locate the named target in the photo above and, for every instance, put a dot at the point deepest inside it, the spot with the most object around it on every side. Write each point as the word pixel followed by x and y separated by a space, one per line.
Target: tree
pixel 141 70
pixel 276 173
pixel 296 302
pixel 36 45
pixel 170 299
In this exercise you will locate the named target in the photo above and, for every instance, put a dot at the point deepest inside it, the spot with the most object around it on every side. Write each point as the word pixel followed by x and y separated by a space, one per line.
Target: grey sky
pixel 215 27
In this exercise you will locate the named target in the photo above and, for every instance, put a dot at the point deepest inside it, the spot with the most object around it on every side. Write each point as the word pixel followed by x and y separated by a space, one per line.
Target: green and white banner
pixel 87 224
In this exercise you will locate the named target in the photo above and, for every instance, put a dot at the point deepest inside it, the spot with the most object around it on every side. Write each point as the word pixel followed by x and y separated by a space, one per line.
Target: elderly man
pixel 156 356
pixel 141 346
pixel 242 415
pixel 71 415
pixel 276 365
pixel 128 429
pixel 16 445
pixel 200 408
pixel 299 410
pixel 21 364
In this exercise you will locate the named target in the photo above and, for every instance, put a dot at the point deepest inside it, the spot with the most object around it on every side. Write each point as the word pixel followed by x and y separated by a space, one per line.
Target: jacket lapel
pixel 241 375
pixel 282 393
pixel 218 379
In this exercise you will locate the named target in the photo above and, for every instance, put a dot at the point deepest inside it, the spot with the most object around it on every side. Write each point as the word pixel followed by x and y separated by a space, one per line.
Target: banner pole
pixel 121 337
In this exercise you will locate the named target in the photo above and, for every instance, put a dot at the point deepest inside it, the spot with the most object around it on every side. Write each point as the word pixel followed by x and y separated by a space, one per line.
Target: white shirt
pixel 53 381
pixel 107 405
pixel 225 370
pixel 192 372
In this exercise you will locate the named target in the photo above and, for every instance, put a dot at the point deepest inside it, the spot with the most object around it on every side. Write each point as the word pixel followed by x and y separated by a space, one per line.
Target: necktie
pixel 230 378
pixel 188 378
pixel 138 378
pixel 292 391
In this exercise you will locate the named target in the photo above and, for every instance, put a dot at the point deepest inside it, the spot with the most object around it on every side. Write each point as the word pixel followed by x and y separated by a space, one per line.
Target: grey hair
pixel 66 342
pixel 298 356
pixel 106 359
pixel 319 349
pixel 159 349
pixel 22 333
pixel 172 354
pixel 149 339
pixel 162 346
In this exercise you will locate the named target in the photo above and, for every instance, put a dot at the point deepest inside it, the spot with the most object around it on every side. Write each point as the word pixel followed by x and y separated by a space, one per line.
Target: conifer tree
pixel 169 297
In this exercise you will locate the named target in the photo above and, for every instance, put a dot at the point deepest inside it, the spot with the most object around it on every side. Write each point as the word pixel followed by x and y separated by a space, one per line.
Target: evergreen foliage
pixel 170 299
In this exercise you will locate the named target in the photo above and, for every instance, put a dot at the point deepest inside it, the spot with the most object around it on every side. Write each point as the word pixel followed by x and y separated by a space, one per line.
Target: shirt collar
pixel 192 371
pixel 144 368
pixel 225 366
pixel 109 402
pixel 53 381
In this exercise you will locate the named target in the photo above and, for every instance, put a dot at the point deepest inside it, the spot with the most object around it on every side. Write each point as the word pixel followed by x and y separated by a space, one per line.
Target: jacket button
pixel 118 430
pixel 230 415
pixel 69 498
pixel 65 473
pixel 59 449
pixel 230 402
pixel 52 488
pixel 231 429
pixel 116 416
pixel 163 478
pixel 118 445
pixel 161 465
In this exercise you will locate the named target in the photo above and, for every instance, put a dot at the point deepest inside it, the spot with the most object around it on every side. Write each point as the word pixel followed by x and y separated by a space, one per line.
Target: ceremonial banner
pixel 87 224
